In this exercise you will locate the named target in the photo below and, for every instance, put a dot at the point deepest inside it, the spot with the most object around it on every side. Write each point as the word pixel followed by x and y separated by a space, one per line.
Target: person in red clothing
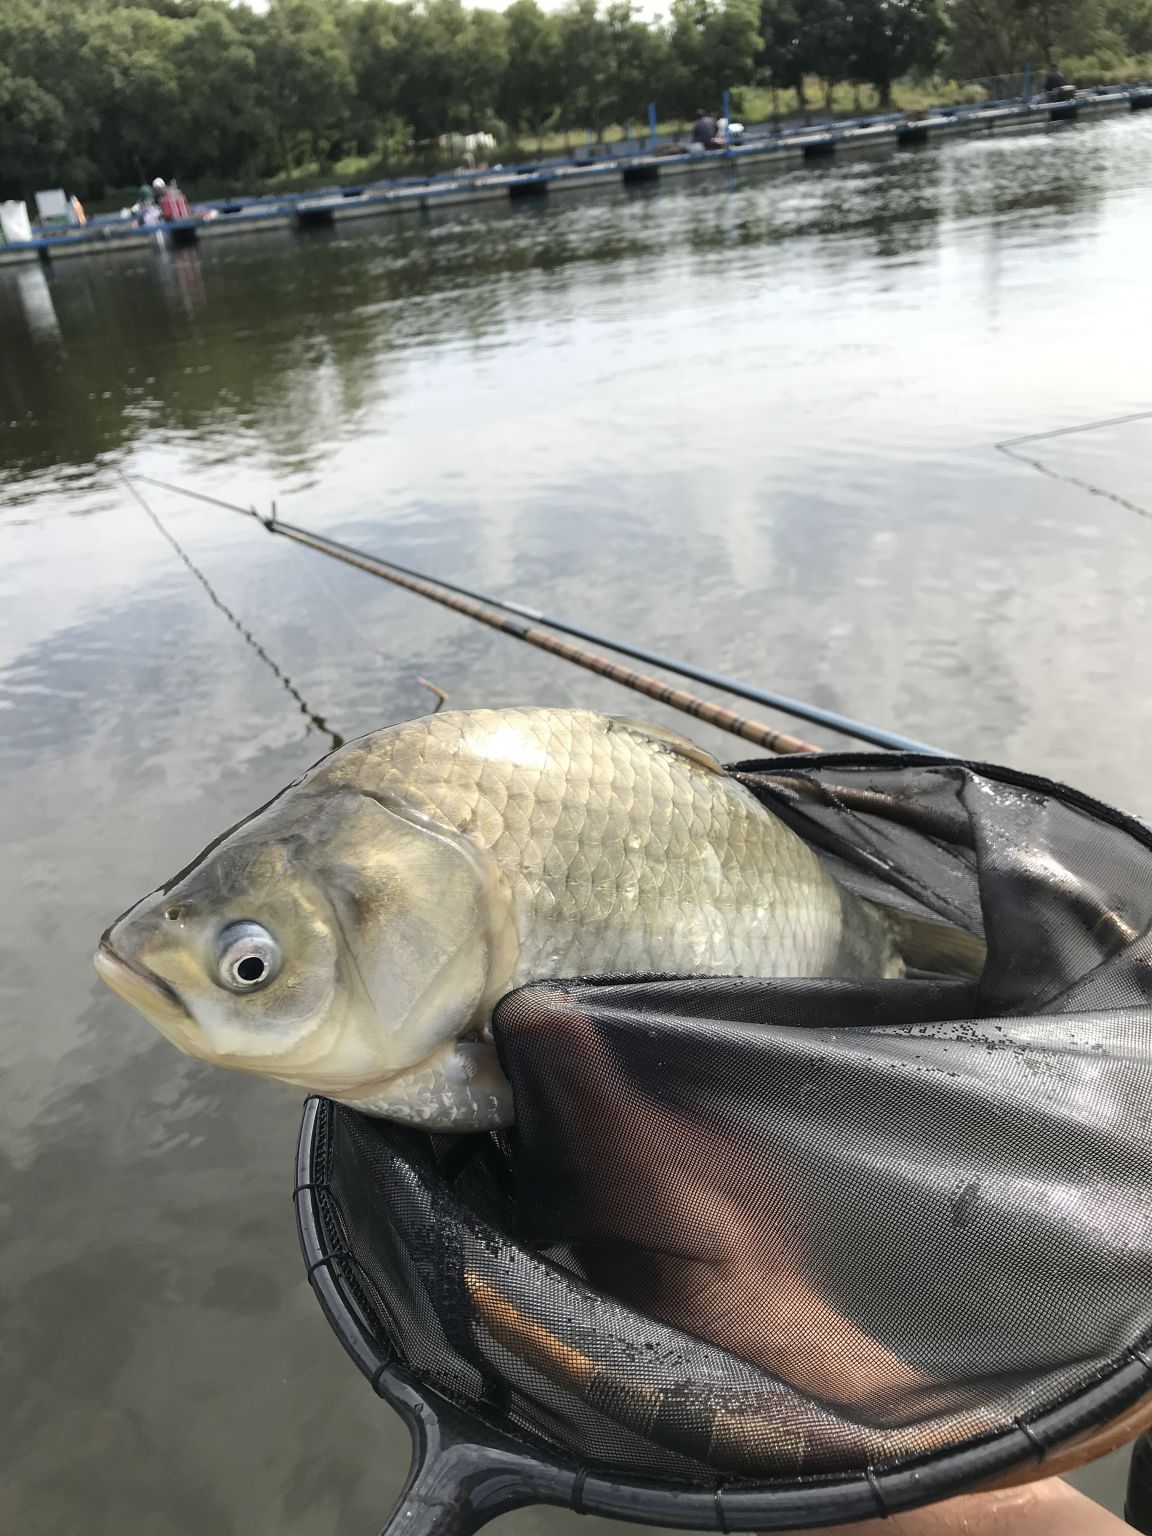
pixel 173 203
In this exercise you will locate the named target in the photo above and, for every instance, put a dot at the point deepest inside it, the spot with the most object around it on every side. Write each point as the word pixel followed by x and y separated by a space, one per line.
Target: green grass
pixel 757 105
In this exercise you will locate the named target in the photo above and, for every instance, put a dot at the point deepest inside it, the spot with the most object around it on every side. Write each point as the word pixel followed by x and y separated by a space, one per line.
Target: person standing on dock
pixel 704 130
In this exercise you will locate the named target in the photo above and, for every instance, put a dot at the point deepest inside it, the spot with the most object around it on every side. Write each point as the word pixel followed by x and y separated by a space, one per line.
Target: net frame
pixel 466 1470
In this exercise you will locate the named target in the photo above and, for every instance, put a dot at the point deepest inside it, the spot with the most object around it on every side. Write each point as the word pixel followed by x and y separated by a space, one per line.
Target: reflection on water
pixel 35 296
pixel 183 278
pixel 293 357
pixel 747 419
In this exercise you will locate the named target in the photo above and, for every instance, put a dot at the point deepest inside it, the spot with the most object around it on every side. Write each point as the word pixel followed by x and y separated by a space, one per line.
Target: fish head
pixel 331 942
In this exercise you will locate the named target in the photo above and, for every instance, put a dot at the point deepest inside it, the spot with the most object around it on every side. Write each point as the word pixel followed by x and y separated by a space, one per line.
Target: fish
pixel 353 936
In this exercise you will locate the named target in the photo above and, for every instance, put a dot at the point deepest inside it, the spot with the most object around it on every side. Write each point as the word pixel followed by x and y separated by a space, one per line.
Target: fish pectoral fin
pixel 670 741
pixel 459 1087
pixel 926 945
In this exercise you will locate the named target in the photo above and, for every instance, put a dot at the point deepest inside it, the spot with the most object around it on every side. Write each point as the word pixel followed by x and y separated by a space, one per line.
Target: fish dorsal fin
pixel 668 741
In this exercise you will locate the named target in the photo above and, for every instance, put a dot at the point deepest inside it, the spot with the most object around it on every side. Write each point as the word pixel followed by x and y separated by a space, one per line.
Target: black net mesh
pixel 767 1228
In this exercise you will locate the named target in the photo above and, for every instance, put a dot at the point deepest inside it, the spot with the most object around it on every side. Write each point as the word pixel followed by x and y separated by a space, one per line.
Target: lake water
pixel 750 420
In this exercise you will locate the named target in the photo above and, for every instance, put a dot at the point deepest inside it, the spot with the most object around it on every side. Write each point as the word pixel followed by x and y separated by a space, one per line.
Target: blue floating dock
pixel 302 211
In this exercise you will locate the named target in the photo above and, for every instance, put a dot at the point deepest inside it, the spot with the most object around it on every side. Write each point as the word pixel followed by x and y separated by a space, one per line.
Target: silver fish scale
pixel 623 852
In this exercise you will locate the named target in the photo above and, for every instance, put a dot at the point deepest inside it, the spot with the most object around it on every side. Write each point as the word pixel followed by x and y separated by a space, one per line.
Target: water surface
pixel 749 420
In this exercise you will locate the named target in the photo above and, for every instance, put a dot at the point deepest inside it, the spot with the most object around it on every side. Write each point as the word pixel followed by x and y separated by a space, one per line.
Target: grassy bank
pixel 751 105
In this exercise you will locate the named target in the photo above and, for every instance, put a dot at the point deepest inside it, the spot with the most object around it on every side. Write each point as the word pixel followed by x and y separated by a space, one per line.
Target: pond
pixel 749 420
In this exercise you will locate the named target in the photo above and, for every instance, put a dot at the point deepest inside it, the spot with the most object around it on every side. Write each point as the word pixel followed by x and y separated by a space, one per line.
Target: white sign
pixel 53 207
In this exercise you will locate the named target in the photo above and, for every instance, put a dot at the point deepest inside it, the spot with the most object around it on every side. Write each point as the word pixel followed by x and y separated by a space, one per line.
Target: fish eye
pixel 248 957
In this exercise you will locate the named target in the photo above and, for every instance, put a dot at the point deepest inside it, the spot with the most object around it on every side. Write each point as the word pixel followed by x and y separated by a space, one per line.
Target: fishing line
pixel 438 590
pixel 1009 446
pixel 314 720
pixel 317 577
pixel 351 622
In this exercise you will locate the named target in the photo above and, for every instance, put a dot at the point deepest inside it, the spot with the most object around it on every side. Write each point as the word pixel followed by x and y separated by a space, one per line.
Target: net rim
pixel 797 762
pixel 543 1475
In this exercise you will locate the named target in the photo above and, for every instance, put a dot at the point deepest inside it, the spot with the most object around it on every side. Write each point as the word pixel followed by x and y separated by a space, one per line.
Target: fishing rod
pixel 489 610
pixel 678 698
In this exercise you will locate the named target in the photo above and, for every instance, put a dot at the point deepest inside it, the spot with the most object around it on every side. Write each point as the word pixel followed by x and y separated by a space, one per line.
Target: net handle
pixel 456 1483
pixel 462 1473
pixel 439 1498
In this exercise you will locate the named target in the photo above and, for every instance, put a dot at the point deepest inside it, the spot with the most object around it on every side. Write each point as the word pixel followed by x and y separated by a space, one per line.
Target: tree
pixel 585 66
pixel 890 38
pixel 33 133
pixel 713 44
pixel 993 37
pixel 1129 26
pixel 371 32
pixel 483 65
pixel 222 118
pixel 730 41
pixel 531 89
pixel 783 58
pixel 306 82
pixel 96 95
pixel 36 131
pixel 430 41
pixel 636 62
pixel 129 92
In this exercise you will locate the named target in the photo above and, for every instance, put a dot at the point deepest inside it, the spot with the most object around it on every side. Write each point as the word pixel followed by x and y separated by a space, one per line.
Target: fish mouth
pixel 148 994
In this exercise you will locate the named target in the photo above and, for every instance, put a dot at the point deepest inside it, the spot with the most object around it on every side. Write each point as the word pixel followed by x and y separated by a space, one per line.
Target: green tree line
pixel 97 94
